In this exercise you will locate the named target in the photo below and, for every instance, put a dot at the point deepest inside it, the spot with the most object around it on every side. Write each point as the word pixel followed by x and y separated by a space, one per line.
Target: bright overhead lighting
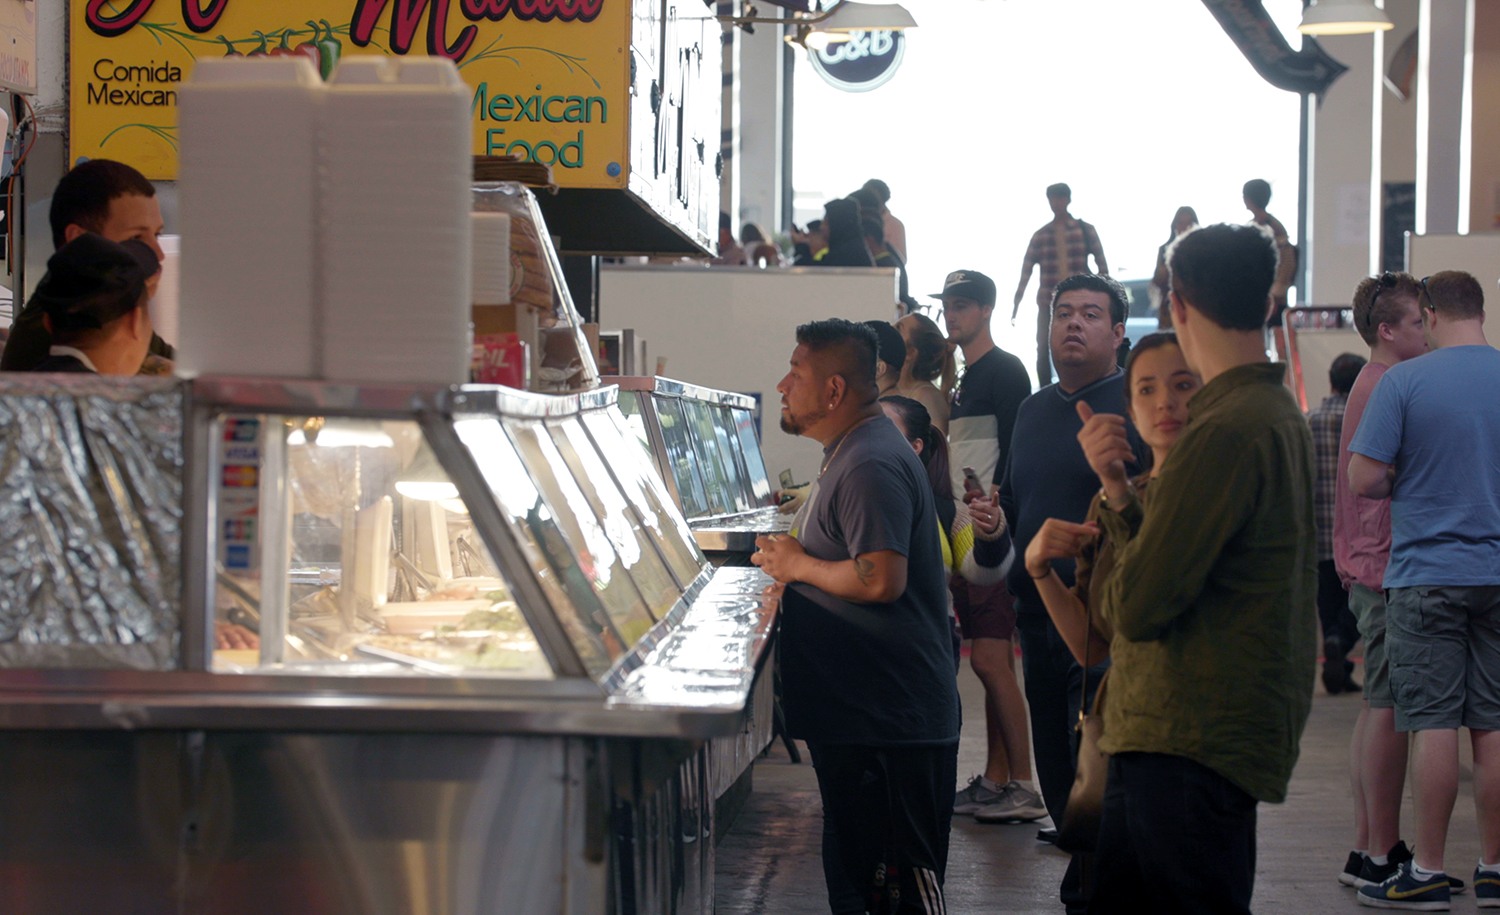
pixel 339 433
pixel 424 478
pixel 815 41
pixel 818 30
pixel 1343 17
pixel 866 17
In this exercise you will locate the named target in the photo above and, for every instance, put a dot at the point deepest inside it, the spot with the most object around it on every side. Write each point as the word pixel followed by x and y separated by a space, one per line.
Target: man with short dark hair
pixel 866 656
pixel 1048 476
pixel 1389 320
pixel 1061 248
pixel 93 303
pixel 1211 602
pixel 981 417
pixel 1429 443
pixel 107 198
pixel 1339 629
pixel 1257 196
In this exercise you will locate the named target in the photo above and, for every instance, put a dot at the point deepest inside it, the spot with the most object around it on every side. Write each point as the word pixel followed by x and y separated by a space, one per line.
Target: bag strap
pixel 1088 639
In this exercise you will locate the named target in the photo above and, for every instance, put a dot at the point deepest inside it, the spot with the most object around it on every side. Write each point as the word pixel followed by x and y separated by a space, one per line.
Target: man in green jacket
pixel 1212 602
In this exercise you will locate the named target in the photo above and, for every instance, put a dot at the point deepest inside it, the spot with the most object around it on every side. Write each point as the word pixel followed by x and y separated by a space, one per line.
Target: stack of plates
pixel 248 201
pixel 396 235
pixel 165 304
pixel 491 259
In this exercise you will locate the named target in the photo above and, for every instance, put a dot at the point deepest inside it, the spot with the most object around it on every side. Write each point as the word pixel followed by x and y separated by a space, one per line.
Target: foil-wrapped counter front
pixel 91 504
pixel 708 660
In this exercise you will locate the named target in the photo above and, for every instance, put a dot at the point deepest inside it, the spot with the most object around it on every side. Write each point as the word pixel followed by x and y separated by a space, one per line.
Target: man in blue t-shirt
pixel 1429 444
pixel 866 656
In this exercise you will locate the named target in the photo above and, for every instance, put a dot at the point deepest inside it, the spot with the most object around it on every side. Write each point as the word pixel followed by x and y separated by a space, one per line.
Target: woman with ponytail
pixel 928 374
pixel 976 543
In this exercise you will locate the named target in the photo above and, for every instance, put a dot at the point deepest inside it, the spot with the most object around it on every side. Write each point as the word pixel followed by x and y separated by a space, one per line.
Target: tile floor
pixel 769 861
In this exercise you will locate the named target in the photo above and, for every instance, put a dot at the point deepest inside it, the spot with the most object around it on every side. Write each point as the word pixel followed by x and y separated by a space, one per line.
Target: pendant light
pixel 1343 17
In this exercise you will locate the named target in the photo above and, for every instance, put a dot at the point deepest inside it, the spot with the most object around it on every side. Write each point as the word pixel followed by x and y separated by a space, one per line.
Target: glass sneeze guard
pixel 343 542
pixel 484 533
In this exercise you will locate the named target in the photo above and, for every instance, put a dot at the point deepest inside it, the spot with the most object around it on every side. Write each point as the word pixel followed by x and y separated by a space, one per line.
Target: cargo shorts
pixel 1444 650
pixel 1368 607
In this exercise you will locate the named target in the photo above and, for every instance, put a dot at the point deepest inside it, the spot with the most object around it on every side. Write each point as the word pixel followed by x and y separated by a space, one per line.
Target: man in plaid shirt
pixel 1061 248
pixel 1339 629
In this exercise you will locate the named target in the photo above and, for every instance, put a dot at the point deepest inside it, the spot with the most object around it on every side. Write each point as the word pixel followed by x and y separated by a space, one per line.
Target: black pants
pixel 887 812
pixel 1054 692
pixel 1176 837
pixel 1333 609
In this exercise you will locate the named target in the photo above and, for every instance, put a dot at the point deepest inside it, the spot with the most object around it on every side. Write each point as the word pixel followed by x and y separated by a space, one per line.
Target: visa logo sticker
pixel 241 454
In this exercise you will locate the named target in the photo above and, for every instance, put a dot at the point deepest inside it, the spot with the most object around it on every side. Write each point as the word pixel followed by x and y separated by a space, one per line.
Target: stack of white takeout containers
pixel 491 258
pixel 326 228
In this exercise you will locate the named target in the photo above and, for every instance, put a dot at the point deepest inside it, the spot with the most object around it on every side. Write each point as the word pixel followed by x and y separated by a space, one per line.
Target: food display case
pixel 705 445
pixel 494 673
pixel 540 310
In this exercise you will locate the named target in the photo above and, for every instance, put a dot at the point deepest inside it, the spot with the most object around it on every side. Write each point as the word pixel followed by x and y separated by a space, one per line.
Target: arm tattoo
pixel 865 569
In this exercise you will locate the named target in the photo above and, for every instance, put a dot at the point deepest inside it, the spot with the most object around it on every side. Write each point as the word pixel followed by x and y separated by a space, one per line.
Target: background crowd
pixel 1167 522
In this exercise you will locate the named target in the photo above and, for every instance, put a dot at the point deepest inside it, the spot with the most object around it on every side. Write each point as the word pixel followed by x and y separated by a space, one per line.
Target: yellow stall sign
pixel 549 77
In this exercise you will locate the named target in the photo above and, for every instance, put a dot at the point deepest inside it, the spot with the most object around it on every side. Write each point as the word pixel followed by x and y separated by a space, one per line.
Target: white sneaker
pixel 1016 805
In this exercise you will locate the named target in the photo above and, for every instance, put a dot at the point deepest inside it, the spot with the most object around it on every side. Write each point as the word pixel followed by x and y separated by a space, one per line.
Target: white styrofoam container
pixel 396 236
pixel 248 203
pixel 491 258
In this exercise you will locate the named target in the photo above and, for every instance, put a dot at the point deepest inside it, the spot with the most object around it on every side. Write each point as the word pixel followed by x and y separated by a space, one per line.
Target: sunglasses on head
pixel 1427 292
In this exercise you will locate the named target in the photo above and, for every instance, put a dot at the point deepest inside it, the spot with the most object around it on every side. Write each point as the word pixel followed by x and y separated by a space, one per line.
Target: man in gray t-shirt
pixel 866 657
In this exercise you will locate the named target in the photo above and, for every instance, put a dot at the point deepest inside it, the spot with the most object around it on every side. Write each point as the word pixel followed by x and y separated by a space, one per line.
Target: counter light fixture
pixel 424 479
pixel 339 433
pixel 837 23
pixel 1343 17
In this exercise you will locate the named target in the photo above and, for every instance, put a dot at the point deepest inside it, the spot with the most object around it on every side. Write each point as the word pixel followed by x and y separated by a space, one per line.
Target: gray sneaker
pixel 976 797
pixel 1016 805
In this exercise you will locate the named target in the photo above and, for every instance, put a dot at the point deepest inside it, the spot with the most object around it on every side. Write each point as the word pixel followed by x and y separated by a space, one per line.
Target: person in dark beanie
pixel 92 303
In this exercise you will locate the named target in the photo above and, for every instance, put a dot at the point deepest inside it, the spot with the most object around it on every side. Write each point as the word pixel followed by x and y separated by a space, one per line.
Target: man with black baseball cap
pixel 983 413
pixel 93 303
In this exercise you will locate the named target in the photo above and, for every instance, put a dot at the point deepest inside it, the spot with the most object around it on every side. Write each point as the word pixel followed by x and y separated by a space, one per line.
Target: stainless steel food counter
pixel 704 444
pixel 495 673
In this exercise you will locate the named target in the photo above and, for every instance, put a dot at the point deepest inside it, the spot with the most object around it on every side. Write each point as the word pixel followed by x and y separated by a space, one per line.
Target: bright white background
pixel 1140 106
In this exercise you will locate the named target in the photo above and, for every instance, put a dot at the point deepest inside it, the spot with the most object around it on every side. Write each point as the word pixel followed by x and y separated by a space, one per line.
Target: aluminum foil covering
pixel 91 503
pixel 707 661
